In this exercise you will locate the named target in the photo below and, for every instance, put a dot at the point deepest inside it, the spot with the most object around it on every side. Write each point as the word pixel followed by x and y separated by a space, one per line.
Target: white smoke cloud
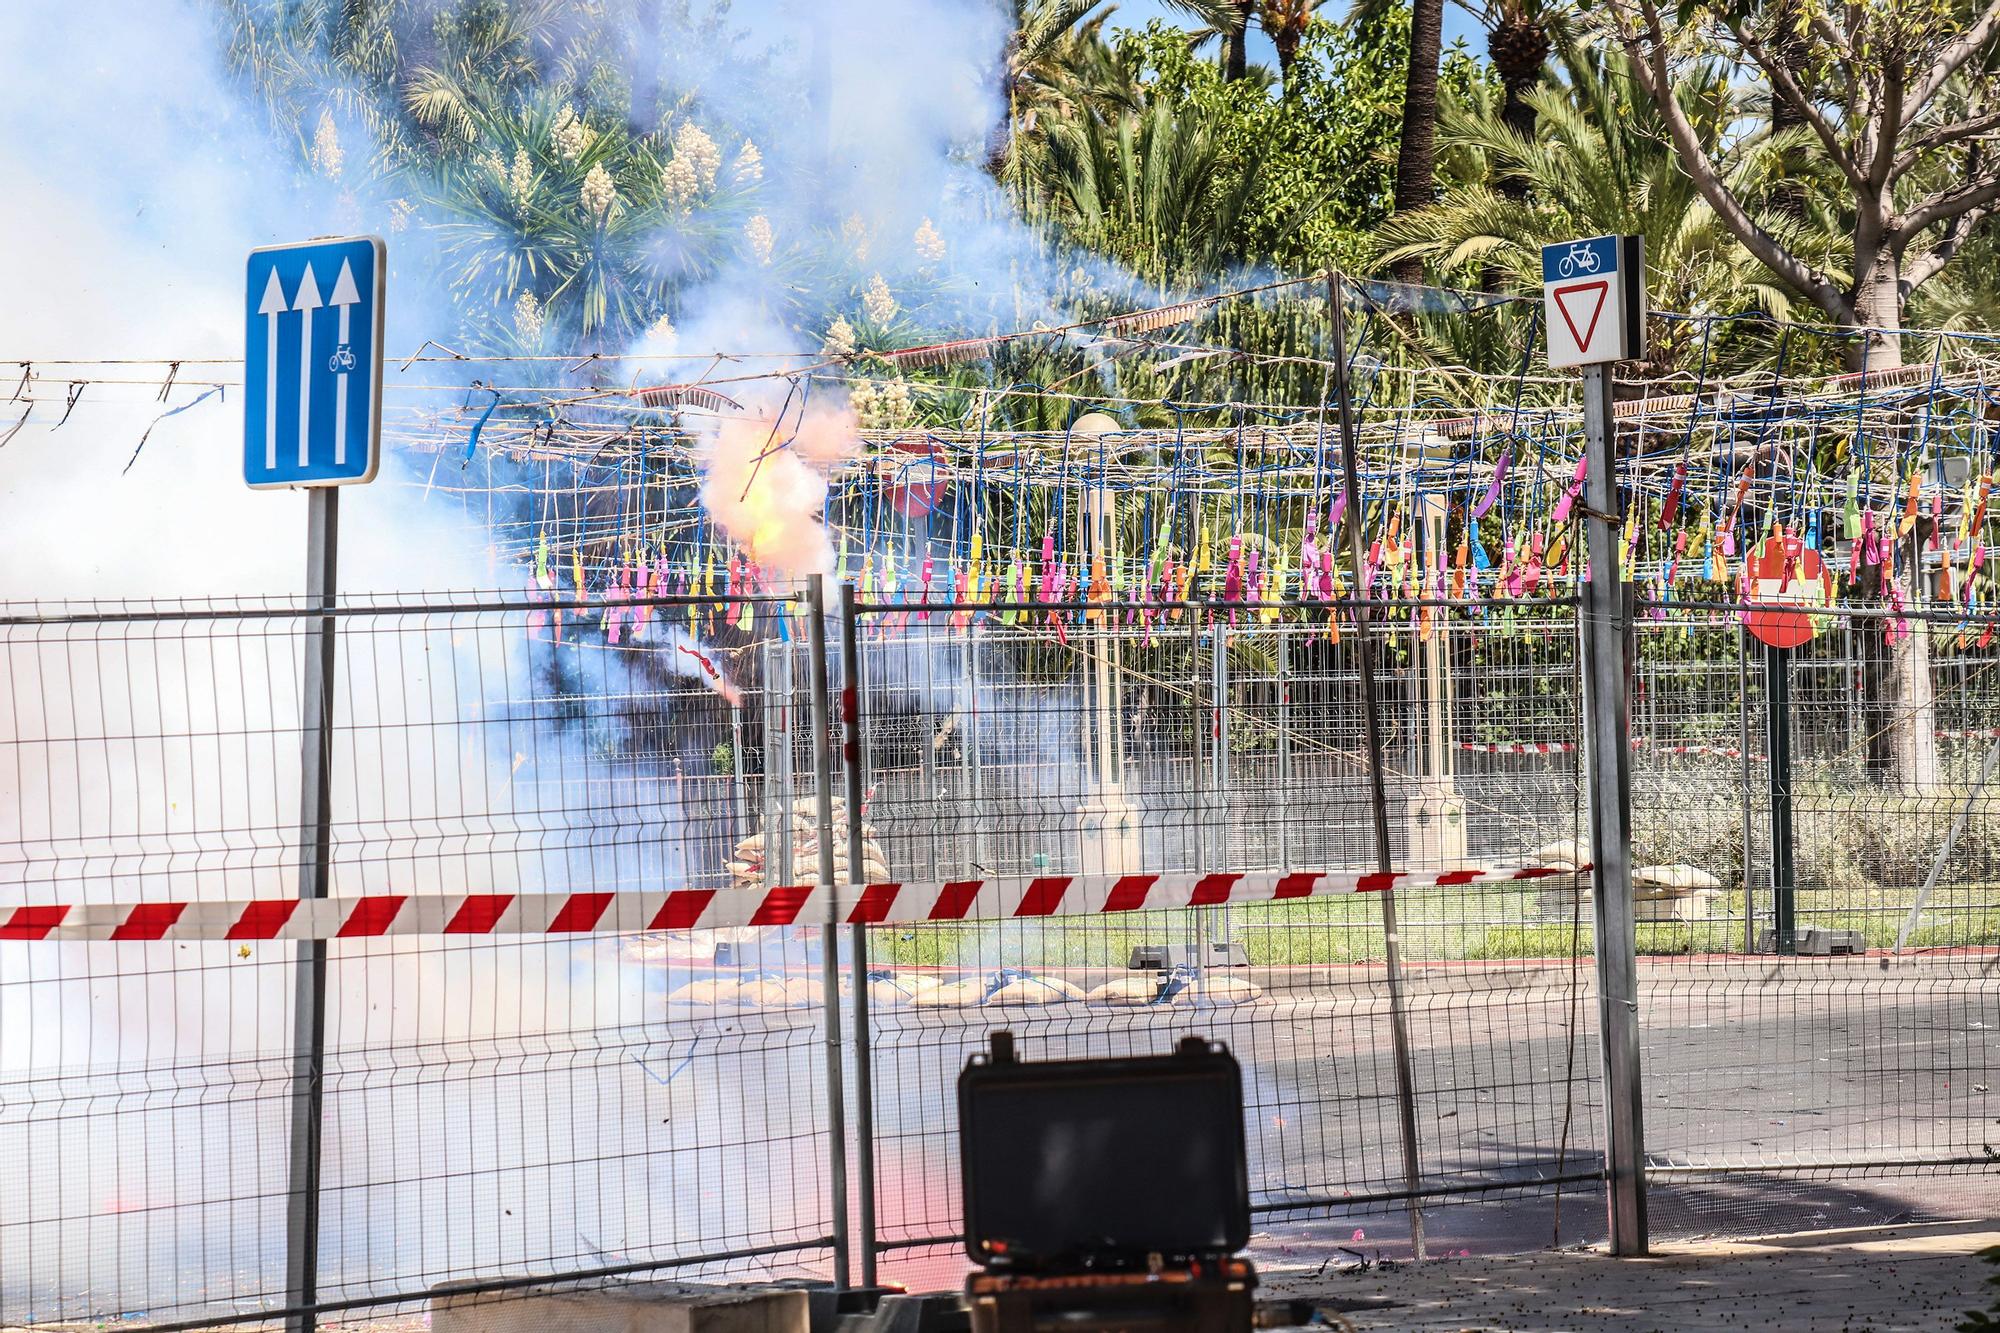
pixel 141 178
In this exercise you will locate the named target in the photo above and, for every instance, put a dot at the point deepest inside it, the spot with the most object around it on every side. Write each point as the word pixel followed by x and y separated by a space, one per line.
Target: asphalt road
pixel 1778 1098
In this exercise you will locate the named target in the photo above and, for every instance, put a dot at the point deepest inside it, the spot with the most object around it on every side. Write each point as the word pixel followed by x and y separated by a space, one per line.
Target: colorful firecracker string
pixel 1470 482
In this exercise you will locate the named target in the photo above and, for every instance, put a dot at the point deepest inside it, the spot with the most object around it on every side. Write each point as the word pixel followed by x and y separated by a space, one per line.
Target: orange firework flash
pixel 764 481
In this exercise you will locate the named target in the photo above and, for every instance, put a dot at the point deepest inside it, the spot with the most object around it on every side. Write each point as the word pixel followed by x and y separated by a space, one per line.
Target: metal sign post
pixel 1783 571
pixel 1618 263
pixel 312 418
pixel 852 765
pixel 836 1096
pixel 315 865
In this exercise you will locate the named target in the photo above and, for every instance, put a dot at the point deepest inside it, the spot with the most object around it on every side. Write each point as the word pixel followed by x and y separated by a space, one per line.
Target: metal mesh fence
pixel 1225 741
pixel 492 1107
pixel 1841 1085
pixel 596 1102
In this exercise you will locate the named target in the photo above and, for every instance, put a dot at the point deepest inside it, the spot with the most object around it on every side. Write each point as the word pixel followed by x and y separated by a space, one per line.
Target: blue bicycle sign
pixel 1579 258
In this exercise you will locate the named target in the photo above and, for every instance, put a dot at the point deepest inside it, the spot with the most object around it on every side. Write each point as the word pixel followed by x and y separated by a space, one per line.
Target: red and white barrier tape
pixel 1638 743
pixel 1725 751
pixel 378 915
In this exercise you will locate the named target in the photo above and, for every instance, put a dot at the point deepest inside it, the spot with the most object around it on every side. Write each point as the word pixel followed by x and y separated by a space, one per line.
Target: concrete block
pixel 638 1307
pixel 922 1314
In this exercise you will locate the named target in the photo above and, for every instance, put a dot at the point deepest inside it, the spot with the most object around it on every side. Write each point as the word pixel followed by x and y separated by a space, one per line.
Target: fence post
pixel 1202 723
pixel 1743 784
pixel 1778 740
pixel 1392 958
pixel 778 795
pixel 975 781
pixel 853 770
pixel 1284 674
pixel 836 1096
pixel 1222 857
pixel 315 863
pixel 1607 619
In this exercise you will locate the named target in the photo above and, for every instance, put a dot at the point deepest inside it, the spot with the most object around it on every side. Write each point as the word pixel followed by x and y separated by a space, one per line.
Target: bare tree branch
pixel 1931 140
pixel 1648 51
pixel 1834 38
pixel 1929 264
pixel 1788 88
pixel 1946 63
pixel 1888 124
pixel 1942 205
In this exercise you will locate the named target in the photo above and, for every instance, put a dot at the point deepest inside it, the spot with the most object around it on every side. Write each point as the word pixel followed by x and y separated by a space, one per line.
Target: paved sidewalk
pixel 1919 1278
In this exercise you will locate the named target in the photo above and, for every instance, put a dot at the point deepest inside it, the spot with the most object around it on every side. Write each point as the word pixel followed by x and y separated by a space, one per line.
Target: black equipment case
pixel 1108 1195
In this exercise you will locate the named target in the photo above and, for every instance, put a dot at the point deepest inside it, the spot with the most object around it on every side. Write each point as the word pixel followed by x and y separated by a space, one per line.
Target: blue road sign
pixel 312 363
pixel 1594 258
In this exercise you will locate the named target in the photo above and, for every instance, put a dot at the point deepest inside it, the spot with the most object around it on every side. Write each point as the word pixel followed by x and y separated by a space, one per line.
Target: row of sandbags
pixel 1666 881
pixel 751 854
pixel 1005 988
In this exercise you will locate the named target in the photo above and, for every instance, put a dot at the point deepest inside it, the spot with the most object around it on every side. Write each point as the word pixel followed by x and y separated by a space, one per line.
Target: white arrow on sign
pixel 272 306
pixel 306 302
pixel 345 297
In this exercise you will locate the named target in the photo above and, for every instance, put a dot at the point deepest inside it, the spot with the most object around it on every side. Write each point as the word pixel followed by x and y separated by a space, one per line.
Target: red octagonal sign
pixel 1784 569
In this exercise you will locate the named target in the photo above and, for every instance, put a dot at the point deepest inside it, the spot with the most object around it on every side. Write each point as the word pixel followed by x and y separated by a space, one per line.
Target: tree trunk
pixel 1878 308
pixel 1904 748
pixel 1416 159
pixel 1236 45
pixel 1518 116
pixel 1286 39
pixel 1913 733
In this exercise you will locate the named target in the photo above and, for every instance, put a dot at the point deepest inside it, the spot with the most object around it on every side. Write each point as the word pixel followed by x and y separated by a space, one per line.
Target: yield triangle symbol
pixel 1572 301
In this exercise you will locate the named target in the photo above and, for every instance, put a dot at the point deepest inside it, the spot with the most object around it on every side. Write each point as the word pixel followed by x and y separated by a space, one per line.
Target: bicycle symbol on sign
pixel 341 360
pixel 1581 258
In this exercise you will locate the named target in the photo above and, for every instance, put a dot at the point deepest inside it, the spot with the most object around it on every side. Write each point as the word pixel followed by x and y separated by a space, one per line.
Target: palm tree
pixel 1518 43
pixel 1520 34
pixel 1155 188
pixel 1416 158
pixel 1285 22
pixel 1236 39
pixel 1056 65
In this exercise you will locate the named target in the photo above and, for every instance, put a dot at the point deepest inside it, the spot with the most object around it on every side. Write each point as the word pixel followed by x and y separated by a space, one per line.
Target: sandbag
pixel 1126 991
pixel 777 994
pixel 953 995
pixel 1215 990
pixel 899 989
pixel 717 992
pixel 1678 879
pixel 1567 853
pixel 1036 990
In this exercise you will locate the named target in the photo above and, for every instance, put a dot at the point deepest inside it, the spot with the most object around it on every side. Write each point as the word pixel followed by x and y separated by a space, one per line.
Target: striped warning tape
pixel 1725 751
pixel 1638 743
pixel 376 915
pixel 1518 747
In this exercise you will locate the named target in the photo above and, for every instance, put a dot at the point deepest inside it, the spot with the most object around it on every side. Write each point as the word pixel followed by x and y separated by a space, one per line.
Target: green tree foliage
pixel 1198 172
pixel 1599 162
